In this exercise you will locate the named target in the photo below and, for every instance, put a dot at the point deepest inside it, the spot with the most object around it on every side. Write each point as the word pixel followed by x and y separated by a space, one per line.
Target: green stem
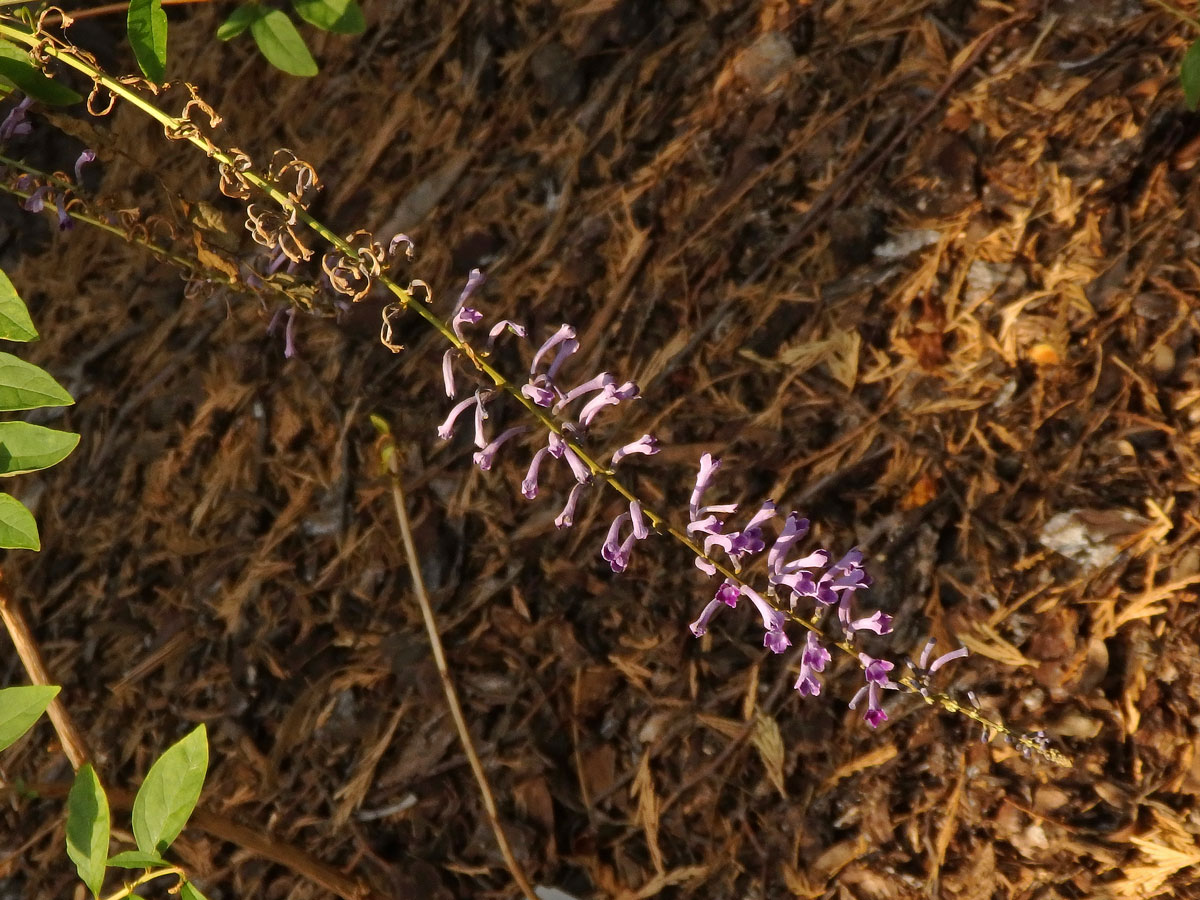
pixel 405 298
pixel 148 876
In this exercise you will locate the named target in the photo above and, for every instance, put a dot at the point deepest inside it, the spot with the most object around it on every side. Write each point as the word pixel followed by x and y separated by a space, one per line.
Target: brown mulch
pixel 924 270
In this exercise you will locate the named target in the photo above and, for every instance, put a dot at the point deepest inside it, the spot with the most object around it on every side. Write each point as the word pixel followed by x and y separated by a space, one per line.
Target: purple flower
pixel 529 487
pixel 564 333
pixel 487 455
pixel 578 467
pixel 647 444
pixel 498 329
pixel 875 670
pixel 65 222
pixel 813 660
pixel 446 429
pixel 878 622
pixel 597 383
pixel 85 157
pixel 700 627
pixel 474 280
pixel 793 531
pixel 566 518
pixel 941 660
pixel 448 371
pixel 14 123
pixel 708 469
pixel 640 530
pixel 539 391
pixel 773 621
pixel 729 594
pixel 480 416
pixel 609 396
pixel 36 201
pixel 465 316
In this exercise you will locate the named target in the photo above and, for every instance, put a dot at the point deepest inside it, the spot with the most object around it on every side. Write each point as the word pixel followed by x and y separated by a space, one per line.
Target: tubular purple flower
pixel 539 391
pixel 85 157
pixel 556 445
pixel 878 622
pixel 592 384
pixel 564 333
pixel 620 560
pixel 710 524
pixel 773 621
pixel 529 487
pixel 446 429
pixel 578 467
pixel 813 660
pixel 480 416
pixel 612 542
pixel 700 627
pixel 65 222
pixel 640 530
pixel 14 123
pixel 566 518
pixel 474 280
pixel 875 670
pixel 465 316
pixel 705 566
pixel 565 349
pixel 485 457
pixel 708 468
pixel 36 201
pixel 498 329
pixel 793 531
pixel 960 653
pixel 647 444
pixel 729 594
pixel 606 397
pixel 448 371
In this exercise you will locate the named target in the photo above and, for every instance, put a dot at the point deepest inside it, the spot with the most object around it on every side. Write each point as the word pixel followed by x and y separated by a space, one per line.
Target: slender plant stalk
pixel 110 8
pixel 186 130
pixel 439 658
pixel 143 879
pixel 31 658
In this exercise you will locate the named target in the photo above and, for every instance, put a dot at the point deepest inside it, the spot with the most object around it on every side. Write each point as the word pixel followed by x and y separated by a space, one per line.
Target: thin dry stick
pixel 439 657
pixel 110 8
pixel 31 659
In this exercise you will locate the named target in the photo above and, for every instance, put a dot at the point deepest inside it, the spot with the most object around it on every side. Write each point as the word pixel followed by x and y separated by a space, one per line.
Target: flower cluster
pixel 543 389
pixel 790 579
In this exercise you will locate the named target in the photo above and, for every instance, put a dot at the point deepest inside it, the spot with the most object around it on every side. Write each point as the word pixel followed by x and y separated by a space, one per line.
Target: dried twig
pixel 439 657
pixel 31 658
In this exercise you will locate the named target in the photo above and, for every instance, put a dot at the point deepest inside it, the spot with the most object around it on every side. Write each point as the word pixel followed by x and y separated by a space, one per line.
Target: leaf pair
pixel 161 808
pixel 277 38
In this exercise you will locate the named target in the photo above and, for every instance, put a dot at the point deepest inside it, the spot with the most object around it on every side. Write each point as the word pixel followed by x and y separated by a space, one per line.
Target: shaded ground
pixel 925 270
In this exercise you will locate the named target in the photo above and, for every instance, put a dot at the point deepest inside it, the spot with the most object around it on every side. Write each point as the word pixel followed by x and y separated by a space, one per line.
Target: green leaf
pixel 239 20
pixel 339 16
pixel 27 448
pixel 87 828
pixel 188 891
pixel 25 386
pixel 147 24
pixel 18 529
pixel 169 794
pixel 1189 75
pixel 20 707
pixel 282 45
pixel 15 324
pixel 30 80
pixel 136 859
